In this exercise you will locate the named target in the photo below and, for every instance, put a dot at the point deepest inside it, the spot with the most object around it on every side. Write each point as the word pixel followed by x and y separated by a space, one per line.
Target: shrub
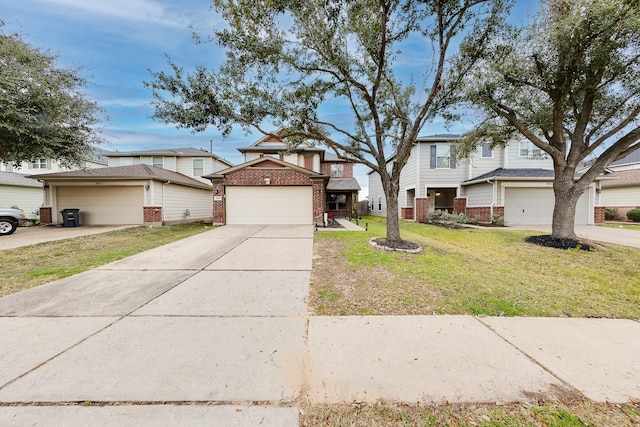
pixel 611 214
pixel 497 220
pixel 634 215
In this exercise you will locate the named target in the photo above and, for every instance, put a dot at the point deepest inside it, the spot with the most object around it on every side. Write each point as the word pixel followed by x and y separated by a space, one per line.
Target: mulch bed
pixel 402 245
pixel 558 242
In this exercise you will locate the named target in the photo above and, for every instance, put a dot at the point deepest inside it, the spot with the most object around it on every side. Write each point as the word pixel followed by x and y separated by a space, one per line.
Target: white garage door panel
pixel 269 205
pixel 103 205
pixel 534 206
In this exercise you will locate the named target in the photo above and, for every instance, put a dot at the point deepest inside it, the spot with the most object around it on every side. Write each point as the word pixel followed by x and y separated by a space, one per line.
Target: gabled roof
pixel 168 152
pixel 631 158
pixel 267 161
pixel 623 179
pixel 524 174
pixel 343 184
pixel 268 144
pixel 126 172
pixel 18 180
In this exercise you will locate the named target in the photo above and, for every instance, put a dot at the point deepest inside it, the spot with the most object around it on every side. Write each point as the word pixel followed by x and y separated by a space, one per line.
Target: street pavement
pixel 214 329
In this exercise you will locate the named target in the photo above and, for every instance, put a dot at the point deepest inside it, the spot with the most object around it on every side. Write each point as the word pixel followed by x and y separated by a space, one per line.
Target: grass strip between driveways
pixel 29 266
pixel 470 271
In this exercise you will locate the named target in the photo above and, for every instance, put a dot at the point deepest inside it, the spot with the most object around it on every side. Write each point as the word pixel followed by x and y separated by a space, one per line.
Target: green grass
pixel 30 266
pixel 575 414
pixel 477 271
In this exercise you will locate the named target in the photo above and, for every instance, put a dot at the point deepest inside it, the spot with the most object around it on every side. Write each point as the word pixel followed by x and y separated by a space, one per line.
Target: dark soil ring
pixel 557 242
pixel 402 246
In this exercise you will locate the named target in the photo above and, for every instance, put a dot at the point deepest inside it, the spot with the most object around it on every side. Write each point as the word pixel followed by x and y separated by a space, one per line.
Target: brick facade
pixel 152 215
pixel 459 205
pixel 598 216
pixel 483 213
pixel 406 214
pixel 267 176
pixel 46 215
pixel 421 209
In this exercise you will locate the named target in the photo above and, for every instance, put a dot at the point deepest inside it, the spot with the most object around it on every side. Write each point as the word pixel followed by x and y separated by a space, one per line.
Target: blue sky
pixel 117 42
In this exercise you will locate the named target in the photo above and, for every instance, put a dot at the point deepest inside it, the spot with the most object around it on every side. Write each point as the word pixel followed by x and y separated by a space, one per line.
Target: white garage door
pixel 103 205
pixel 534 206
pixel 269 205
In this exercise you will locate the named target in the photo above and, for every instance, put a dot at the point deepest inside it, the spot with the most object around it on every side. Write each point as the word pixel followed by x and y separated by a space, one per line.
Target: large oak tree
pixel 43 111
pixel 286 60
pixel 570 84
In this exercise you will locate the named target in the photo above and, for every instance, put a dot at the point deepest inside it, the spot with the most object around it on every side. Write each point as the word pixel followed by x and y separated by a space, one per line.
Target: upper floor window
pixel 158 161
pixel 529 150
pixel 487 152
pixel 39 164
pixel 337 170
pixel 198 167
pixel 442 157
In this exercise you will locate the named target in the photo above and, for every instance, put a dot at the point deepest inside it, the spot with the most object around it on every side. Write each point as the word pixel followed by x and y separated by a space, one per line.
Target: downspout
pixel 493 197
pixel 164 210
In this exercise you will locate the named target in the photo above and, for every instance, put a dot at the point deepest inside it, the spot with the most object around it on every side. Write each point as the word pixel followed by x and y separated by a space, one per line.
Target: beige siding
pixel 179 198
pixel 620 196
pixel 29 199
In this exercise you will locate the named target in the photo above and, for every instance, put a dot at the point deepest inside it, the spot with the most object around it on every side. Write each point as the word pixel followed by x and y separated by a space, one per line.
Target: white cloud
pixel 134 10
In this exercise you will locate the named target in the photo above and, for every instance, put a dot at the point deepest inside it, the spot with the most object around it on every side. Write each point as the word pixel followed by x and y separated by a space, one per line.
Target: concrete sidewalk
pixel 220 320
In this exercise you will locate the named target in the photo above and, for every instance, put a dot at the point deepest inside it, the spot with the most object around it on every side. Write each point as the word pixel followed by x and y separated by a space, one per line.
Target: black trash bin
pixel 70 217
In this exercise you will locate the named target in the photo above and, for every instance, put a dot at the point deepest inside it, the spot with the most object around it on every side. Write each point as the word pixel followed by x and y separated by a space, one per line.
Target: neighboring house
pixel 136 194
pixel 621 188
pixel 96 159
pixel 279 185
pixel 514 182
pixel 191 162
pixel 18 190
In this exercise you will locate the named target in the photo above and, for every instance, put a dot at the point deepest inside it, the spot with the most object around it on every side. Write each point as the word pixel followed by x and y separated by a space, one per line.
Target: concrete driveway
pixel 220 320
pixel 617 236
pixel 25 236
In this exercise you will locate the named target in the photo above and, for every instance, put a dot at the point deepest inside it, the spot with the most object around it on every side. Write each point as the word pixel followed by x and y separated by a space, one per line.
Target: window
pixel 39 164
pixel 442 157
pixel 487 152
pixel 198 167
pixel 337 170
pixel 337 202
pixel 379 203
pixel 528 150
pixel 158 162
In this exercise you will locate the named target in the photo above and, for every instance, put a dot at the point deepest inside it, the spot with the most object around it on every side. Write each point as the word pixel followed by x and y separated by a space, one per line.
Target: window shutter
pixel 452 158
pixel 432 164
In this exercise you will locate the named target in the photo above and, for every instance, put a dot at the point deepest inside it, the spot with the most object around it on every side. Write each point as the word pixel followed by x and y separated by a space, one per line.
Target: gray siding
pixel 479 195
pixel 375 191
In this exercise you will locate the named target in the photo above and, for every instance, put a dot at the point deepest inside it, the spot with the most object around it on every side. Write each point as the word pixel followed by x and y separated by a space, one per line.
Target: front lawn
pixel 626 226
pixel 470 271
pixel 30 266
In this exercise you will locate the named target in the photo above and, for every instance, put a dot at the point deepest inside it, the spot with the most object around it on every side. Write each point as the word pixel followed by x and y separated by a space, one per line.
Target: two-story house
pixel 621 188
pixel 280 185
pixel 27 193
pixel 514 182
pixel 138 187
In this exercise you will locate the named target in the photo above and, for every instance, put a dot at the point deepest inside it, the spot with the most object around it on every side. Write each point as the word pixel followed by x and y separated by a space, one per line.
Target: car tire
pixel 7 226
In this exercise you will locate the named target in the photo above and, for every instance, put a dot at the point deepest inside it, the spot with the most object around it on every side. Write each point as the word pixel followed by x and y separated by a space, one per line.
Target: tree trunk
pixel 564 210
pixel 393 224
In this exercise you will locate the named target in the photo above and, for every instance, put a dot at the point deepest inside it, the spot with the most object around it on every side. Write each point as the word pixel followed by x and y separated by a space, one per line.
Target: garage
pixel 534 206
pixel 269 205
pixel 115 205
